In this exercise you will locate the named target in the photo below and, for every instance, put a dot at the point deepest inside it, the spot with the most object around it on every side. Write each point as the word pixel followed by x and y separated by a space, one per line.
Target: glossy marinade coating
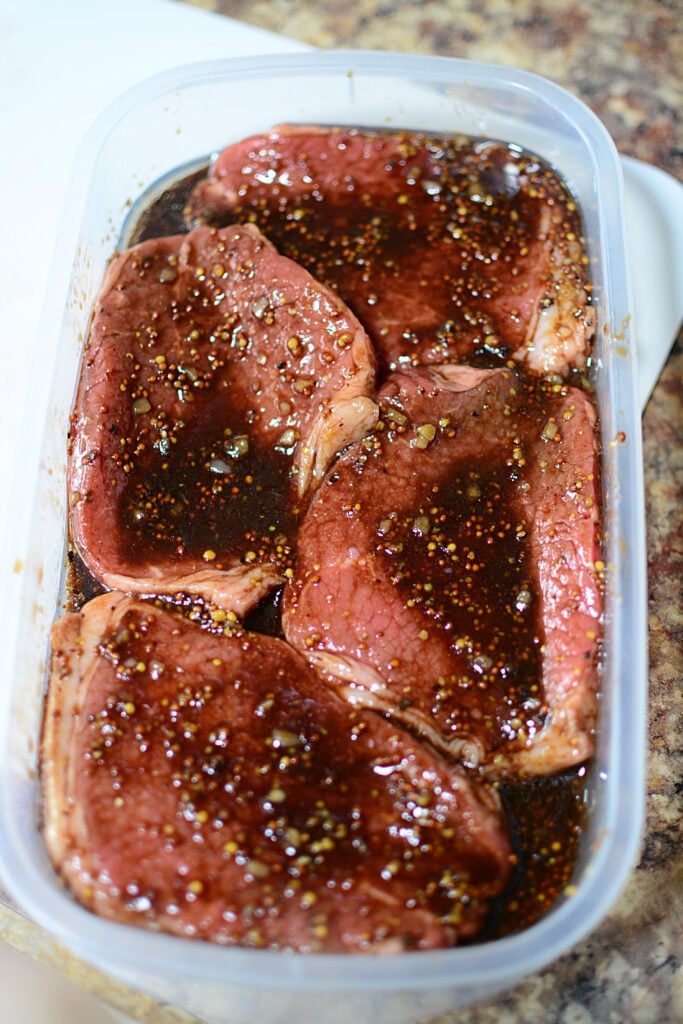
pixel 211 786
pixel 448 569
pixel 447 248
pixel 219 379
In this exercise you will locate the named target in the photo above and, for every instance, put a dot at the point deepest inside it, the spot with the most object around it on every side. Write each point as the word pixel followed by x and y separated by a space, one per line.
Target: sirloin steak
pixel 219 380
pixel 209 785
pixel 447 570
pixel 448 249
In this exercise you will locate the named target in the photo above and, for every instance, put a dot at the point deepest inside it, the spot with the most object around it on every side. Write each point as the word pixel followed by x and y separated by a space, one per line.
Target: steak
pixel 448 568
pixel 447 249
pixel 209 785
pixel 218 382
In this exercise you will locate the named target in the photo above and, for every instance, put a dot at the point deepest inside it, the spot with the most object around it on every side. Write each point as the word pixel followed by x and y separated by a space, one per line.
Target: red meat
pixel 447 570
pixel 447 249
pixel 218 382
pixel 211 786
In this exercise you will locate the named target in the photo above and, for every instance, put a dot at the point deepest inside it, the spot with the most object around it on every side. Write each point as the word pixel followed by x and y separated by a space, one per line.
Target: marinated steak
pixel 415 509
pixel 219 380
pixel 447 249
pixel 447 569
pixel 209 785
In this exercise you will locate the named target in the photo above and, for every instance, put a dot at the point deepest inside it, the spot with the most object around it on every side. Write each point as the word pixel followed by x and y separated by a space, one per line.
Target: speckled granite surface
pixel 624 59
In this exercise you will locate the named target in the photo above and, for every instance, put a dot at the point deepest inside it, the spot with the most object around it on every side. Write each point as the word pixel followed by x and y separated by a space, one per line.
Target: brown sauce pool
pixel 546 815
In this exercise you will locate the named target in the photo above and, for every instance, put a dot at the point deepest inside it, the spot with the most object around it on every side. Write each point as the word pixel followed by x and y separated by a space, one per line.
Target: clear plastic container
pixel 163 124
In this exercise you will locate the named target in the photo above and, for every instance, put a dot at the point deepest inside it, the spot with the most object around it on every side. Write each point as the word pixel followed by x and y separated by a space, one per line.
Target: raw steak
pixel 211 786
pixel 218 382
pixel 448 568
pixel 447 249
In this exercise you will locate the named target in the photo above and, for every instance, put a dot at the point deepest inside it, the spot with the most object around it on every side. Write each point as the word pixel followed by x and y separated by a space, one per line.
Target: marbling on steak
pixel 447 249
pixel 446 568
pixel 211 786
pixel 219 380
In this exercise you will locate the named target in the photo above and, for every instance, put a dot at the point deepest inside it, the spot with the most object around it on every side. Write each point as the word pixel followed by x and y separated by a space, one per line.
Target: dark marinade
pixel 475 598
pixel 164 216
pixel 236 503
pixel 546 815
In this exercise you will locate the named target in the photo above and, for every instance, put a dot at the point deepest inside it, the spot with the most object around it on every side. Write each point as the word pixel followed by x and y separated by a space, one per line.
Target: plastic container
pixel 168 122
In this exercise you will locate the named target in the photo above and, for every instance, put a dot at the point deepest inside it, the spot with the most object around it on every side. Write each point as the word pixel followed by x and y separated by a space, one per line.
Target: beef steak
pixel 219 380
pixel 448 249
pixel 448 568
pixel 211 786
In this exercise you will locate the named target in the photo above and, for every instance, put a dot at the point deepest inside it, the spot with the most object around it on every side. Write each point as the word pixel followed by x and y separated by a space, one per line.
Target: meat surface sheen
pixel 448 568
pixel 209 785
pixel 448 249
pixel 218 382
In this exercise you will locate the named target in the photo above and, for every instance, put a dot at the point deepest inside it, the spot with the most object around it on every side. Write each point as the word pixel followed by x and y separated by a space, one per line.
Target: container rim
pixel 427 67
pixel 93 939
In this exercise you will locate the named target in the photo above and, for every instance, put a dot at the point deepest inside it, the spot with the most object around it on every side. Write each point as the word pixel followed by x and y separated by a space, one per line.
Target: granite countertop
pixel 623 58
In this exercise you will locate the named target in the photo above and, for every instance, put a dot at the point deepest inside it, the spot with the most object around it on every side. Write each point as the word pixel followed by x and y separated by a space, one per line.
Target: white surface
pixel 654 232
pixel 30 995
